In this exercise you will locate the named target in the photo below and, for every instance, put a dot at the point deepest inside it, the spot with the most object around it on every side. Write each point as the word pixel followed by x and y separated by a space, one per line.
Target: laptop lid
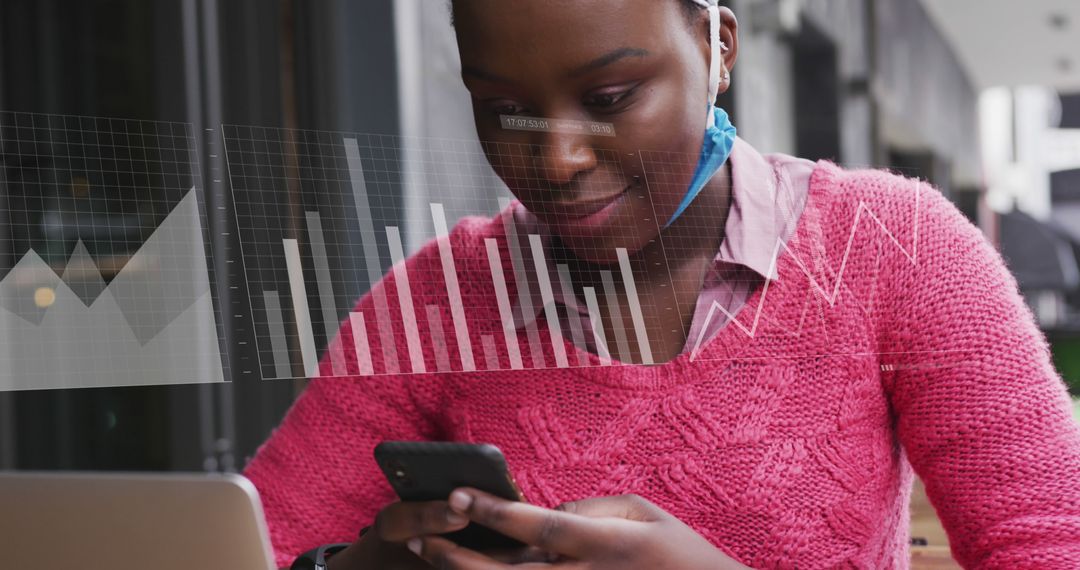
pixel 120 521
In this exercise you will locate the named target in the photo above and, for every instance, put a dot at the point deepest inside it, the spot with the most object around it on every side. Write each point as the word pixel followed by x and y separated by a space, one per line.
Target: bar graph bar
pixel 615 311
pixel 576 332
pixel 597 323
pixel 491 354
pixel 457 308
pixel 360 343
pixel 371 255
pixel 635 306
pixel 275 322
pixel 326 291
pixel 547 297
pixel 405 300
pixel 300 308
pixel 438 337
pixel 524 288
pixel 503 297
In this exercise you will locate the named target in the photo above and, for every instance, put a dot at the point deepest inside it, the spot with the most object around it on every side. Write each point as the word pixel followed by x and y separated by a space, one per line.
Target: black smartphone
pixel 430 470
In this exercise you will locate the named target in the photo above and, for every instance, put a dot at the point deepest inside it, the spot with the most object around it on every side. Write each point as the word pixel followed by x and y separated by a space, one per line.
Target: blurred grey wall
pixel 875 75
pixel 436 115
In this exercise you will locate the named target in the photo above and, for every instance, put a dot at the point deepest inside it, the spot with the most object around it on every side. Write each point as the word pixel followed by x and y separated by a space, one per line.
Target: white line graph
pixel 830 298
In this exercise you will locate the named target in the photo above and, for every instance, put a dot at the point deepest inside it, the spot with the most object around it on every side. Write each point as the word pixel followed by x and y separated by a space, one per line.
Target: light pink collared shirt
pixel 768 194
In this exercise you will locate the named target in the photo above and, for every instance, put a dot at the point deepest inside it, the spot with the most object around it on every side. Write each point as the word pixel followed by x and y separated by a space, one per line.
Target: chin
pixel 602 250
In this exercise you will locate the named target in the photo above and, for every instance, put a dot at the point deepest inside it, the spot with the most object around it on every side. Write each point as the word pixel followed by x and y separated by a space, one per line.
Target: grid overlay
pixel 339 184
pixel 112 258
pixel 321 217
pixel 110 284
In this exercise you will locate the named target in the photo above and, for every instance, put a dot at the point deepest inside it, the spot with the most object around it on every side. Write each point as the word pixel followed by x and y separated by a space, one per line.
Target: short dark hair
pixel 690 10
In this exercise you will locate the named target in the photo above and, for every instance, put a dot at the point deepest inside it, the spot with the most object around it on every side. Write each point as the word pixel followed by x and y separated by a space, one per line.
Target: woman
pixel 799 373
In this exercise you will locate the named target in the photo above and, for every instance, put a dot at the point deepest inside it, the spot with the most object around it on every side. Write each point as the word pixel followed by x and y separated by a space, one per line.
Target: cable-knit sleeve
pixel 316 474
pixel 981 413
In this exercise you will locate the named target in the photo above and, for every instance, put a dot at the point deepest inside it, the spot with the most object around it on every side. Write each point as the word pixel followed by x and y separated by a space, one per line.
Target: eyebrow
pixel 469 71
pixel 602 61
pixel 610 58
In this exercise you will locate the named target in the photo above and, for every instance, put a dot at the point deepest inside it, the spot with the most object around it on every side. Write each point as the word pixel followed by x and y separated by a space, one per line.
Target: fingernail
pixel 460 501
pixel 455 518
pixel 414 545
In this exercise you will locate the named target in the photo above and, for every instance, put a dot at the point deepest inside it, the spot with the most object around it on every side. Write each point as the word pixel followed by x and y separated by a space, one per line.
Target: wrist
pixel 728 563
pixel 341 556
pixel 316 558
pixel 348 559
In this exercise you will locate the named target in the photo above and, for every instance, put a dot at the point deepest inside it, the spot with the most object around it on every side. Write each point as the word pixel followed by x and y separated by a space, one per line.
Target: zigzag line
pixel 829 298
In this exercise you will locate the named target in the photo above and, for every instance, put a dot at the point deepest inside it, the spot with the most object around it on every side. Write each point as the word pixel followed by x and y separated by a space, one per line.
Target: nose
pixel 561 157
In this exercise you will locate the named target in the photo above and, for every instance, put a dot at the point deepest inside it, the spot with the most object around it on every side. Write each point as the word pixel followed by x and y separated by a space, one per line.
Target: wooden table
pixel 925 525
pixel 932 558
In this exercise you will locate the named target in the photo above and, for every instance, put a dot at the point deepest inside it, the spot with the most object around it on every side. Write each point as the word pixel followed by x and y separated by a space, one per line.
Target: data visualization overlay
pixel 110 284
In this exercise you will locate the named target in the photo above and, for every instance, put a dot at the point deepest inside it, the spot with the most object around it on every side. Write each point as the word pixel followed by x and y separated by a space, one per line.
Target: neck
pixel 670 270
pixel 695 236
pixel 686 247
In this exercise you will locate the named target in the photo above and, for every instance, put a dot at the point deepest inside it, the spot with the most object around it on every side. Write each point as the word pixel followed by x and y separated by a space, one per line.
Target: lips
pixel 580 210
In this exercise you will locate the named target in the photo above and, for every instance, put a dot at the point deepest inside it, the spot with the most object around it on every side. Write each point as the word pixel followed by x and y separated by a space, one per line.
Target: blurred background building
pixel 978 97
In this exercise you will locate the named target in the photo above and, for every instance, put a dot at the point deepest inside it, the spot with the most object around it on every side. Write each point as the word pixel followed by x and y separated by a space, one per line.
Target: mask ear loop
pixel 714 59
pixel 723 134
pixel 715 47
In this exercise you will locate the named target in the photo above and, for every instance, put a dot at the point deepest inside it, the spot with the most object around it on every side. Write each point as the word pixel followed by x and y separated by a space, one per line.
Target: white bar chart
pixel 360 344
pixel 576 332
pixel 457 308
pixel 300 308
pixel 502 297
pixel 405 300
pixel 326 290
pixel 513 302
pixel 547 297
pixel 524 287
pixel 371 254
pixel 597 326
pixel 635 306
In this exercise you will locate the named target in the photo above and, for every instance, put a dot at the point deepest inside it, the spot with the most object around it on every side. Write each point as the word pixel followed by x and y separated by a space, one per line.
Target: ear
pixel 729 35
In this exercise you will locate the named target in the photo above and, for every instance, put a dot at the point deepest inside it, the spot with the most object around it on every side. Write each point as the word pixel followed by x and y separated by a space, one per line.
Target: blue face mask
pixel 719 139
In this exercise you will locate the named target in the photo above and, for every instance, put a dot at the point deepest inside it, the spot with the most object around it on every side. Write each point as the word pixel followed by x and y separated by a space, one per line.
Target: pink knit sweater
pixel 894 339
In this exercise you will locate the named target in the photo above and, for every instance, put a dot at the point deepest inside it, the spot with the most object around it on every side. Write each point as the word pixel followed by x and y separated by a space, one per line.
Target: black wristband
pixel 315 559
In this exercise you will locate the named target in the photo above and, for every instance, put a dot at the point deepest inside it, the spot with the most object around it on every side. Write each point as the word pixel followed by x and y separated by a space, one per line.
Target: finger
pixel 444 554
pixel 401 521
pixel 554 531
pixel 630 507
pixel 522 555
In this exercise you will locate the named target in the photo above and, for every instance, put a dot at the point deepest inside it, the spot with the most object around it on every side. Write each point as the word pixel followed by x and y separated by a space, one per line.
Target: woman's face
pixel 640 65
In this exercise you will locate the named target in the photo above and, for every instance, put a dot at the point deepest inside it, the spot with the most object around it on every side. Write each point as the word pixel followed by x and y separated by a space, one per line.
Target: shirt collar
pixel 750 231
pixel 763 211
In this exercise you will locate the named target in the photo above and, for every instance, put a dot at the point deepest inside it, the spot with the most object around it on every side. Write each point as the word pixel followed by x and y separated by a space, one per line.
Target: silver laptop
pixel 115 521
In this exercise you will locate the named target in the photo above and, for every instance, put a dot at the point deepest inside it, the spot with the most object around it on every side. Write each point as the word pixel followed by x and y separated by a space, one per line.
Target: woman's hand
pixel 384 545
pixel 616 533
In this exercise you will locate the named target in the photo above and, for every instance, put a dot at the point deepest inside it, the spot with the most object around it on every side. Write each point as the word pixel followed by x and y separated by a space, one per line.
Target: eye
pixel 504 107
pixel 608 99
